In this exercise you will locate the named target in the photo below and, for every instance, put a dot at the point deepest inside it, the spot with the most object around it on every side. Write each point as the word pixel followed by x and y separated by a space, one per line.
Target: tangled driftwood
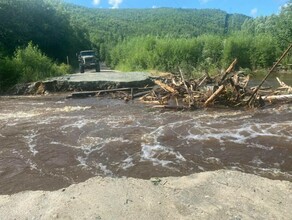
pixel 227 89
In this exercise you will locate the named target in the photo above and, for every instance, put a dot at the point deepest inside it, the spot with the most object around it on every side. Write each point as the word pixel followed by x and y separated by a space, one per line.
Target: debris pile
pixel 175 92
pixel 227 89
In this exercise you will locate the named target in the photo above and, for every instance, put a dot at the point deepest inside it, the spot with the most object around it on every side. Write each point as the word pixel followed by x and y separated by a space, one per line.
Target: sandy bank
pixel 210 195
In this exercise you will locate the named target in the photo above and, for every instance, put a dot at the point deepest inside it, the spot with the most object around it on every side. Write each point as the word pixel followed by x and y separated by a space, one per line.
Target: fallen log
pixel 150 102
pixel 85 94
pixel 271 98
pixel 139 94
pixel 214 95
pixel 252 98
pixel 165 86
pixel 229 69
pixel 284 85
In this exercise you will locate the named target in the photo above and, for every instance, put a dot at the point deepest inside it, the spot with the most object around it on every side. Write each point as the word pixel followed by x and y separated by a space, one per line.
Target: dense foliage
pixel 40 22
pixel 108 27
pixel 28 64
pixel 37 35
pixel 257 43
pixel 201 54
pixel 196 39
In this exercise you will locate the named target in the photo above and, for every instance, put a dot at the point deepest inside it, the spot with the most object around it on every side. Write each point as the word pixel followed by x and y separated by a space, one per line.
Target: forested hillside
pixel 35 37
pixel 39 22
pixel 61 29
pixel 52 31
pixel 123 23
pixel 108 27
pixel 257 43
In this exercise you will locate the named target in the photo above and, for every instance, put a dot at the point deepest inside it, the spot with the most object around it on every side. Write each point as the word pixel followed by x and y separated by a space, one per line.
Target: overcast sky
pixel 252 8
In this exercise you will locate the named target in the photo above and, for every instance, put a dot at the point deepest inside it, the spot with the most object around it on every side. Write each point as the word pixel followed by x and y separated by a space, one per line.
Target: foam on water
pixel 90 145
pixel 127 163
pixel 104 169
pixel 31 164
pixel 153 152
pixel 77 124
pixel 31 141
pixel 18 115
pixel 259 146
pixel 241 134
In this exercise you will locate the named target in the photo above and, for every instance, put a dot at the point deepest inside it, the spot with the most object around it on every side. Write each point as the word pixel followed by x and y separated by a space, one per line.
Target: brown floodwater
pixel 50 142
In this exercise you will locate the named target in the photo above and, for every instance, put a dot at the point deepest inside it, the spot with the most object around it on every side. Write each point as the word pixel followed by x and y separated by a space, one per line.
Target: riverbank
pixel 210 195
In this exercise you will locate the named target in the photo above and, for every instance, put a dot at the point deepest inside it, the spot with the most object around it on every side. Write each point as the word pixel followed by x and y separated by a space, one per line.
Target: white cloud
pixel 254 12
pixel 96 2
pixel 115 3
pixel 284 6
pixel 204 1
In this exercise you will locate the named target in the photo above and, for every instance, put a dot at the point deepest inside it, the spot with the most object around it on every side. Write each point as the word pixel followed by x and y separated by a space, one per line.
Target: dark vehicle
pixel 88 60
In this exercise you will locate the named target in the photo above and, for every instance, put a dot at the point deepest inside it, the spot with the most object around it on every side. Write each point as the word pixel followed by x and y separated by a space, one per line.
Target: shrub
pixel 8 75
pixel 33 65
pixel 27 65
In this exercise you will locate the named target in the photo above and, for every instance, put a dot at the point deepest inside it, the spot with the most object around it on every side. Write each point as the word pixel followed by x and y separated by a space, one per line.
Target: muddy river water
pixel 51 142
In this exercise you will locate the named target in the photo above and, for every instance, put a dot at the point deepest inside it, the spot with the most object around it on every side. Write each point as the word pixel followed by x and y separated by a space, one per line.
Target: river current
pixel 50 142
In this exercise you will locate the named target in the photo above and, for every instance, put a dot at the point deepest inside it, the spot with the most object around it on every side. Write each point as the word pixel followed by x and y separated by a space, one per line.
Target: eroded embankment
pixel 89 81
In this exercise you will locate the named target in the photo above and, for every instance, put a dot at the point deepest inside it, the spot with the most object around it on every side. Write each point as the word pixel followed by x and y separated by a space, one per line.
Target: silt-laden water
pixel 48 143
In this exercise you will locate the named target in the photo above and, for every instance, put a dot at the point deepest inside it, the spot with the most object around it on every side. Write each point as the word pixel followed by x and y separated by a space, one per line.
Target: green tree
pixel 264 51
pixel 238 46
pixel 41 22
pixel 32 65
pixel 283 32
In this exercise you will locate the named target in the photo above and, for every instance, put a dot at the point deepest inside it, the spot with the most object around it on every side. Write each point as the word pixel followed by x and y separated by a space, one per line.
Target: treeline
pixel 257 44
pixel 37 36
pixel 197 40
pixel 40 22
pixel 35 39
pixel 123 23
pixel 51 32
pixel 201 54
pixel 108 27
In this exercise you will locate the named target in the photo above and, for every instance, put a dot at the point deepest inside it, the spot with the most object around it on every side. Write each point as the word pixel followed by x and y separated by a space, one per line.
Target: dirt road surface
pixel 104 75
pixel 210 195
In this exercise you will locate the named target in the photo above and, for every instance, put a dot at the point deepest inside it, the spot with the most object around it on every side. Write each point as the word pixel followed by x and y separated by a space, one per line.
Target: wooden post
pixel 132 93
pixel 189 91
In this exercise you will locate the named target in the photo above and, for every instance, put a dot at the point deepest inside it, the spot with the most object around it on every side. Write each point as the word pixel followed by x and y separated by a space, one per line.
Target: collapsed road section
pixel 89 81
